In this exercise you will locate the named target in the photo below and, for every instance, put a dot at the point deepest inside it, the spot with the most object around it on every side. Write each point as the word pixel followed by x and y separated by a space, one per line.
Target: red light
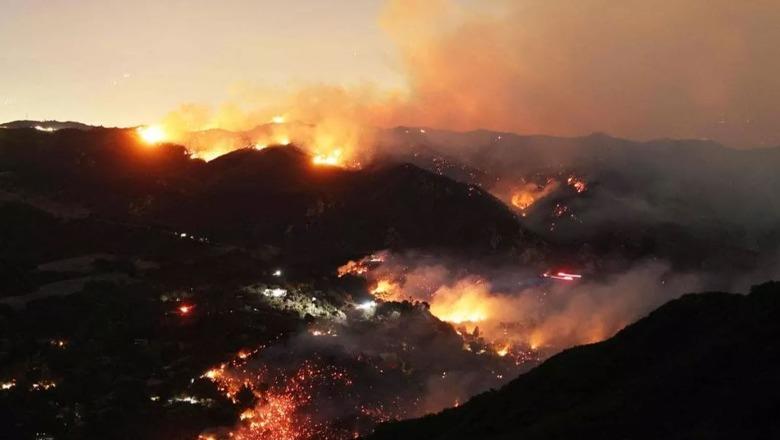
pixel 185 309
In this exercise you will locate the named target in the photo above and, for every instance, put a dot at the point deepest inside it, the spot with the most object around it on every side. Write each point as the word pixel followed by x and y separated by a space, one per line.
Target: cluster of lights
pixel 275 293
pixel 58 343
pixel 43 385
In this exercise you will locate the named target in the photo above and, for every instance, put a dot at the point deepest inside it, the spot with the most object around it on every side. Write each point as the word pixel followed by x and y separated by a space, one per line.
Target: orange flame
pixel 528 194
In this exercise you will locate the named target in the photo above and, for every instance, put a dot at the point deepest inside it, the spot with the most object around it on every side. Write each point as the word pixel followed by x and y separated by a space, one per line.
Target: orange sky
pixel 631 68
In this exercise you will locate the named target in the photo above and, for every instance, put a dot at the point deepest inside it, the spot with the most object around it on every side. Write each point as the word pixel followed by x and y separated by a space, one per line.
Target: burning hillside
pixel 357 364
pixel 423 336
pixel 520 309
pixel 313 218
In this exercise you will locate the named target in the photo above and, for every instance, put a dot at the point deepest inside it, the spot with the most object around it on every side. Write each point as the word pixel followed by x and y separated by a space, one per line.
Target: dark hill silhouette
pixel 702 366
pixel 684 201
pixel 275 196
pixel 56 125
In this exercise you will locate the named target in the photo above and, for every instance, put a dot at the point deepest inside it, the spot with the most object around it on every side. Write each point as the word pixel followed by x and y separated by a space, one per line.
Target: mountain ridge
pixel 671 374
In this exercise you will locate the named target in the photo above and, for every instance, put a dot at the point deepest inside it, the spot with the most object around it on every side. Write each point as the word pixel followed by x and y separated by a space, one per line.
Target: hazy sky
pixel 126 62
pixel 631 68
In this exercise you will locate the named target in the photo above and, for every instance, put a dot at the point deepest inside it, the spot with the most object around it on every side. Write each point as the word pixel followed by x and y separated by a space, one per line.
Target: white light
pixel 275 293
pixel 368 305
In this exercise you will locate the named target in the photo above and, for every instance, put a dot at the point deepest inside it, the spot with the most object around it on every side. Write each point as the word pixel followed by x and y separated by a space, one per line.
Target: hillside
pixel 256 199
pixel 47 125
pixel 702 366
pixel 683 201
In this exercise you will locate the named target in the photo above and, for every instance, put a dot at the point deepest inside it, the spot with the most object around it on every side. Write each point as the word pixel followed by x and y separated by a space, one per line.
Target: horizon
pixel 384 219
pixel 447 64
pixel 453 131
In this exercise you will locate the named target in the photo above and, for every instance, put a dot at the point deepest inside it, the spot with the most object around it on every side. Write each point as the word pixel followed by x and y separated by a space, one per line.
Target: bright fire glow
pixel 151 134
pixel 331 159
pixel 528 194
pixel 386 289
pixel 466 302
pixel 278 119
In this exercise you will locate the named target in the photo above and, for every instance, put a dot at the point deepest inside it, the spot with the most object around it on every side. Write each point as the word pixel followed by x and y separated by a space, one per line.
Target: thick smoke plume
pixel 683 69
pixel 522 308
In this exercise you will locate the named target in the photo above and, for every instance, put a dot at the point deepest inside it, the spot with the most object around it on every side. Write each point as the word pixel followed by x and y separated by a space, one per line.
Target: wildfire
pixel 152 134
pixel 333 159
pixel 466 302
pixel 385 289
pixel 504 350
pixel 578 184
pixel 360 267
pixel 283 410
pixel 527 195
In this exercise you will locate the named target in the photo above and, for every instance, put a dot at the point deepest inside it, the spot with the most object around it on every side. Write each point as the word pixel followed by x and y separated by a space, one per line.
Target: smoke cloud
pixel 517 306
pixel 684 69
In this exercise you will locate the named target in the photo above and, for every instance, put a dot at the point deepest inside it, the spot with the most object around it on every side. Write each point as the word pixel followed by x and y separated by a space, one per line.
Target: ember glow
pixel 330 159
pixel 386 290
pixel 192 264
pixel 546 312
pixel 284 399
pixel 152 134
pixel 360 267
pixel 528 194
pixel 331 141
pixel 578 184
pixel 464 303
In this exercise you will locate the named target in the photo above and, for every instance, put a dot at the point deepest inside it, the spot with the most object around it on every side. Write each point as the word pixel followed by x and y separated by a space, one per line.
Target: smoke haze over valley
pixel 389 219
